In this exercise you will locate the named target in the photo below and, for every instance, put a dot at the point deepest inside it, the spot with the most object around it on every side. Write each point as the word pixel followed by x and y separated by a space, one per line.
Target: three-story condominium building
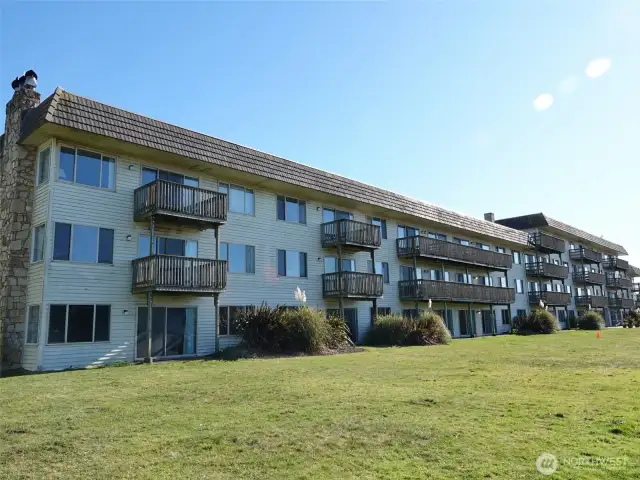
pixel 128 238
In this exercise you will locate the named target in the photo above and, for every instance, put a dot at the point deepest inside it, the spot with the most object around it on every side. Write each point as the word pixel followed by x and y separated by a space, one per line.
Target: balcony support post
pixel 147 358
pixel 216 303
pixel 340 282
pixel 374 315
pixel 471 321
pixel 415 275
pixel 506 277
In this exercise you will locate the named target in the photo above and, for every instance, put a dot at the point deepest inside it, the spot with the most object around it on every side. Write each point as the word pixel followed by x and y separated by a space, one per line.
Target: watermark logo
pixel 547 464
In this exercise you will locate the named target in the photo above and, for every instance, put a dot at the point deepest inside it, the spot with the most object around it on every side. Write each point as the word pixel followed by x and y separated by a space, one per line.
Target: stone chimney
pixel 490 217
pixel 17 177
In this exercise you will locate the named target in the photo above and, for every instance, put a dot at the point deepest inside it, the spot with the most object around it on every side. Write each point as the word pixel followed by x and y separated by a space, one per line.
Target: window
pixel 173 331
pixel 500 249
pixel 505 317
pixel 461 241
pixel 534 287
pixel 150 175
pixel 519 286
pixel 331 265
pixel 382 311
pixel 331 215
pixel 37 251
pixel 410 312
pixel 79 323
pixel 382 223
pixel 408 273
pixel 44 161
pixel 291 209
pixel 241 199
pixel 481 246
pixel 439 275
pixel 567 289
pixel 80 243
pixel 167 246
pixel 381 268
pixel 502 282
pixel 521 313
pixel 87 168
pixel 437 236
pixel 483 280
pixel 405 231
pixel 292 263
pixel 463 278
pixel 240 258
pixel 557 287
pixel 228 319
pixel 516 258
pixel 33 323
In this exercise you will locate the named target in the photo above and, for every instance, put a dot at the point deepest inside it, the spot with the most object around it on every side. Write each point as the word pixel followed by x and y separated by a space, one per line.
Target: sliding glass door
pixel 173 332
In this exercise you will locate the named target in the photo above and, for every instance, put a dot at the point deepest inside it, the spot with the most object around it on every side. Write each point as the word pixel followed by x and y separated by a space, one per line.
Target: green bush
pixel 591 320
pixel 632 319
pixel 538 321
pixel 292 330
pixel 427 329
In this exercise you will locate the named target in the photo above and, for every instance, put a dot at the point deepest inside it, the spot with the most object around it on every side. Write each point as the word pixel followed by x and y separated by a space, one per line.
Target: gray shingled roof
pixel 69 110
pixel 634 271
pixel 536 220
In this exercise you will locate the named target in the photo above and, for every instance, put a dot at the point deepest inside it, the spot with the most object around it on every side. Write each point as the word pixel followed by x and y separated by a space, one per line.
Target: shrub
pixel 538 321
pixel 297 330
pixel 427 329
pixel 632 319
pixel 591 320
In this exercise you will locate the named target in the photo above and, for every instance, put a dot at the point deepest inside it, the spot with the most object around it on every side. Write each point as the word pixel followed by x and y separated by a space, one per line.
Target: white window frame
pixel 28 322
pixel 66 323
pixel 39 166
pixel 70 260
pixel 521 283
pixel 75 166
pixel 228 186
pixel 33 243
pixel 517 257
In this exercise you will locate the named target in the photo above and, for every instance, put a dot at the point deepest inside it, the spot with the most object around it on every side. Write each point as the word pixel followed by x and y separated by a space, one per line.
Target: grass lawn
pixel 481 408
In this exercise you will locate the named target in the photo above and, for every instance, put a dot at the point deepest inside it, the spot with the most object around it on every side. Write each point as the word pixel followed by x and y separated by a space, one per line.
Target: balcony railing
pixel 617 302
pixel 550 298
pixel 350 233
pixel 547 270
pixel 179 202
pixel 421 246
pixel 596 301
pixel 352 285
pixel 616 263
pixel 546 243
pixel 585 254
pixel 617 282
pixel 591 278
pixel 174 274
pixel 454 292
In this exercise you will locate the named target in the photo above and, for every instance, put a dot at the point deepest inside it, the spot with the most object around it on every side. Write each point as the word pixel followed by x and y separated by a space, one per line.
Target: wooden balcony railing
pixel 547 270
pixel 169 199
pixel 170 273
pixel 352 285
pixel 591 278
pixel 350 233
pixel 454 292
pixel 550 298
pixel 585 254
pixel 617 282
pixel 617 302
pixel 596 301
pixel 421 246
pixel 615 263
pixel 546 243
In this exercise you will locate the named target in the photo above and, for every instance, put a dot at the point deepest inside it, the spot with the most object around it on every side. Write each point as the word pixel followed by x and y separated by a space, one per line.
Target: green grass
pixel 481 408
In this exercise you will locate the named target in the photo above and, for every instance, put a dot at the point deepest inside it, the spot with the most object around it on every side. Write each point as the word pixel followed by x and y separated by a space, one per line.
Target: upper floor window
pixel 481 246
pixel 519 286
pixel 241 199
pixel 409 273
pixel 80 243
pixel 37 251
pixel 464 278
pixel 292 263
pixel 461 241
pixel 291 209
pixel 87 168
pixel 503 282
pixel 381 268
pixel 240 258
pixel 437 236
pixel 44 161
pixel 500 249
pixel 331 265
pixel 516 257
pixel 330 215
pixel 168 246
pixel 406 231
pixel 150 175
pixel 381 222
pixel 439 275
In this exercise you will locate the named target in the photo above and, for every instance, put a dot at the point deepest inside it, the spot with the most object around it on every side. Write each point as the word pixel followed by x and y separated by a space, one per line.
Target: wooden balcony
pixel 174 274
pixel 352 285
pixel 424 247
pixel 543 242
pixel 617 302
pixel 351 234
pixel 588 278
pixel 617 282
pixel 615 263
pixel 179 203
pixel 547 270
pixel 585 255
pixel 596 301
pixel 550 298
pixel 424 290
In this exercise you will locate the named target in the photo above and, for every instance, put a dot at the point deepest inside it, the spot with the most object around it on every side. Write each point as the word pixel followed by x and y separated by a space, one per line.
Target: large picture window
pixel 80 243
pixel 173 331
pixel 87 168
pixel 240 258
pixel 79 323
pixel 291 210
pixel 292 263
pixel 228 319
pixel 241 199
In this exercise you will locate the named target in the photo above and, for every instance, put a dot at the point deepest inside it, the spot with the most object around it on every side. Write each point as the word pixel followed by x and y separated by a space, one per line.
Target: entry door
pixel 487 322
pixel 351 319
pixel 463 319
pixel 157 332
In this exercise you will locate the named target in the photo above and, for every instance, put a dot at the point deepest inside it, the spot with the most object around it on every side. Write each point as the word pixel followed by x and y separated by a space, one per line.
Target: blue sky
pixel 432 100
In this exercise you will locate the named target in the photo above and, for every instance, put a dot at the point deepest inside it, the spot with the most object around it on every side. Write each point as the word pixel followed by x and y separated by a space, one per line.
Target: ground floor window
pixel 447 317
pixel 33 323
pixel 382 311
pixel 173 331
pixel 79 323
pixel 521 313
pixel 506 320
pixel 228 319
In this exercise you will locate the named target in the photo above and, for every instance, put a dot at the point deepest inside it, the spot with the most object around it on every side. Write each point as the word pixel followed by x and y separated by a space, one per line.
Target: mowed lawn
pixel 480 408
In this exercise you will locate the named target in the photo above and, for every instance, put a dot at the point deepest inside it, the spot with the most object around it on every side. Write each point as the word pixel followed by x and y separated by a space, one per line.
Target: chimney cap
pixel 31 73
pixel 28 80
pixel 16 84
pixel 490 217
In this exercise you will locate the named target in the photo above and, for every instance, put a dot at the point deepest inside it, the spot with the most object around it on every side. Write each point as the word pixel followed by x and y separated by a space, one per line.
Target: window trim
pixel 38 322
pixel 253 191
pixel 521 285
pixel 285 198
pixel 102 154
pixel 66 324
pixel 33 244
pixel 38 167
pixel 71 236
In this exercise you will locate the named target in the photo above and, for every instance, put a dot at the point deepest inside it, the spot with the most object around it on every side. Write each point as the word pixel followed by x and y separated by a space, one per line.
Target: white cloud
pixel 543 102
pixel 598 67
